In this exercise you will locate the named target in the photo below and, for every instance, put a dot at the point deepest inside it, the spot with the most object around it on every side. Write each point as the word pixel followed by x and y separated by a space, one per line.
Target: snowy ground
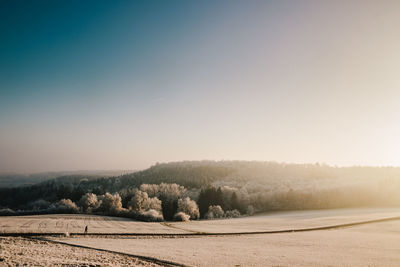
pixel 16 251
pixel 288 220
pixel 75 223
pixel 373 244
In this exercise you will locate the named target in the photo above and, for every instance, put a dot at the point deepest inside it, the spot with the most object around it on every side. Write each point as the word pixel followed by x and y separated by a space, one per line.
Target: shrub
pixel 6 212
pixel 232 214
pixel 188 207
pixel 110 204
pixel 150 216
pixel 39 204
pixel 182 217
pixel 214 212
pixel 142 202
pixel 250 210
pixel 89 202
pixel 67 206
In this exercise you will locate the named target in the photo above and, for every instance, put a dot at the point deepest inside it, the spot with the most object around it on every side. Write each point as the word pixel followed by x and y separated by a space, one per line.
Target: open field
pixel 375 244
pixel 16 251
pixel 75 223
pixel 274 221
pixel 370 244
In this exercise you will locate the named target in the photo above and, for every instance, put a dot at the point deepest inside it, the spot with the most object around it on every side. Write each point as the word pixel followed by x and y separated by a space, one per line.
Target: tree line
pixel 209 190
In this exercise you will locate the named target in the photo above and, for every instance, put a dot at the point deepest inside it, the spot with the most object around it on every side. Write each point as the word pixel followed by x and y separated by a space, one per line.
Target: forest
pixel 193 190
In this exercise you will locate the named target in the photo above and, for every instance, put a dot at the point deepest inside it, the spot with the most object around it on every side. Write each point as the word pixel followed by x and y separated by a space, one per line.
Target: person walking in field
pixel 86 229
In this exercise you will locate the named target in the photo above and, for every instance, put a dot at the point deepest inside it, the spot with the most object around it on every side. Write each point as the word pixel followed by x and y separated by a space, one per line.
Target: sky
pixel 125 84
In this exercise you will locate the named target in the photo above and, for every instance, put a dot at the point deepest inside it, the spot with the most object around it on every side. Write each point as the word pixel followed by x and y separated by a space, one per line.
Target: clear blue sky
pixel 124 84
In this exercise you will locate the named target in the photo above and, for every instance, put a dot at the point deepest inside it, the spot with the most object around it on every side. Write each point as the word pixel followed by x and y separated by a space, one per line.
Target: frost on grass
pixel 367 245
pixel 16 251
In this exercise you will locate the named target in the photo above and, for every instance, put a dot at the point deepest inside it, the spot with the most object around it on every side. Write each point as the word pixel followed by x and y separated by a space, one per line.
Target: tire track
pixel 59 224
pixel 27 224
pixel 179 228
pixel 75 224
pixel 102 223
pixel 42 225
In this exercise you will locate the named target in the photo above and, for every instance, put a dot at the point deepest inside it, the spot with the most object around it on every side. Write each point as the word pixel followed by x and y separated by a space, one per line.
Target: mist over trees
pixel 13 180
pixel 207 189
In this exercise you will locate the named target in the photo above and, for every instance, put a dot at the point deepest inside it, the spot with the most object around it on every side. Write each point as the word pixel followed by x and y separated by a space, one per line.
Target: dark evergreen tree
pixel 169 208
pixel 219 197
pixel 234 202
pixel 203 203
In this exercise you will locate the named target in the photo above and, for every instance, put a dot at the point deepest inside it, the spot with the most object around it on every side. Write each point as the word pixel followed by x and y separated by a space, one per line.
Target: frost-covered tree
pixel 214 212
pixel 142 202
pixel 189 207
pixel 88 202
pixel 66 205
pixel 164 191
pixel 110 203
pixel 168 194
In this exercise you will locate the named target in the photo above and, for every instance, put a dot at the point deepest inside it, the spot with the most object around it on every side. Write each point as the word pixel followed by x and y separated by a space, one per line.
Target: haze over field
pixel 125 84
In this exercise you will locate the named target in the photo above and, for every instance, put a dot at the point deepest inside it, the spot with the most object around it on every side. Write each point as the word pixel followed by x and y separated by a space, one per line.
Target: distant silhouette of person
pixel 86 229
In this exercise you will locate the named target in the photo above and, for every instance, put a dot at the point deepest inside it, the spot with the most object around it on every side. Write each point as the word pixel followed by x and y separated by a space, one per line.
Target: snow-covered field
pixel 372 244
pixel 17 251
pixel 75 223
pixel 288 220
pixel 375 244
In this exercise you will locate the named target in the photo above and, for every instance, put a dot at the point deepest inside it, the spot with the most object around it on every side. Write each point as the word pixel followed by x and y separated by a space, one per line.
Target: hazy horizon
pixel 89 171
pixel 122 85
